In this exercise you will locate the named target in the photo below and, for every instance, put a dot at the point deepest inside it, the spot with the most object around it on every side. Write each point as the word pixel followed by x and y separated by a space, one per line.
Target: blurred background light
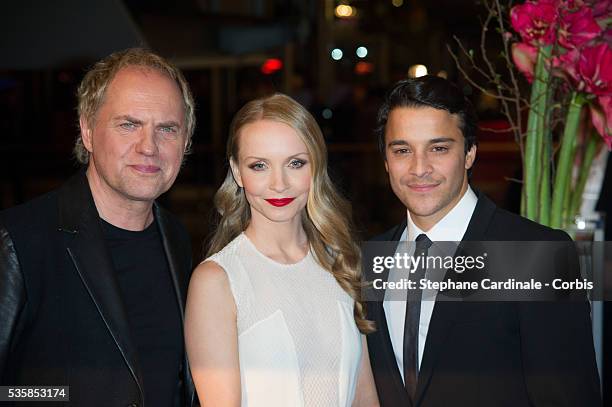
pixel 271 65
pixel 345 11
pixel 336 54
pixel 416 71
pixel 361 52
pixel 362 68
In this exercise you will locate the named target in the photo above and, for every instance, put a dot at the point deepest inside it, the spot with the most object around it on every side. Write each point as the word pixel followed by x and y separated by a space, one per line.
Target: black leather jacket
pixel 61 314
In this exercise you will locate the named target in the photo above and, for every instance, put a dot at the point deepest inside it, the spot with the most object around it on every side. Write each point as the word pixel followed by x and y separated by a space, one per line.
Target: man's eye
pixel 168 129
pixel 257 166
pixel 297 163
pixel 401 151
pixel 440 149
pixel 128 125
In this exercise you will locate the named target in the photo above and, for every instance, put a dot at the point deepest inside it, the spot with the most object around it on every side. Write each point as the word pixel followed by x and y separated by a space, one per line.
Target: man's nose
pixel 147 143
pixel 420 165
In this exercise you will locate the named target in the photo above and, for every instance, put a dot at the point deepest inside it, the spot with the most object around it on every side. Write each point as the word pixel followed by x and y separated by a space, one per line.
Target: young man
pixel 456 353
pixel 93 276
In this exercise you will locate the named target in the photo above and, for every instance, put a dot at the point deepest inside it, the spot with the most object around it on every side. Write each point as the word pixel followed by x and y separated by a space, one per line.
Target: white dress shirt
pixel 450 228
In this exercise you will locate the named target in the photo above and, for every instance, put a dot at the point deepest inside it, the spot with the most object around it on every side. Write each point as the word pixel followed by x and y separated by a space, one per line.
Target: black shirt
pixel 152 308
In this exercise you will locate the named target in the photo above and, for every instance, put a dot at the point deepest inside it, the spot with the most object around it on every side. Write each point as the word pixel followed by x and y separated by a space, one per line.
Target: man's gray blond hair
pixel 92 89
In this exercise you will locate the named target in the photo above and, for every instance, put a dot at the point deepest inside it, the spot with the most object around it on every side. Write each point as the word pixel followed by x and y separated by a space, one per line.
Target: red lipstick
pixel 280 202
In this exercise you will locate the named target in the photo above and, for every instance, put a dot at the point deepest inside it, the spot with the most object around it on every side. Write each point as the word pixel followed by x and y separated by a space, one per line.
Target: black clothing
pixel 411 321
pixel 515 354
pixel 63 317
pixel 144 279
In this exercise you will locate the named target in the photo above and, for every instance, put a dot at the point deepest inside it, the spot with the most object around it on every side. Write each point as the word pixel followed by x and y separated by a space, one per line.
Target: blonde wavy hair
pixel 326 220
pixel 92 89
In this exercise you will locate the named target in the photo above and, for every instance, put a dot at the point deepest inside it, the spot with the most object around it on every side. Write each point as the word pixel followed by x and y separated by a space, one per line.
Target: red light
pixel 271 65
pixel 362 68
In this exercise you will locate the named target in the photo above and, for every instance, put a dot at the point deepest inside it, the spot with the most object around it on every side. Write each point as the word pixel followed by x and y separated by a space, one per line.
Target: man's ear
pixel 86 134
pixel 236 172
pixel 470 157
pixel 386 165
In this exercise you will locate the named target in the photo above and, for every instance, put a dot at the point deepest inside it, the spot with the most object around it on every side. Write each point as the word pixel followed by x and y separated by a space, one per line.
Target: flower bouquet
pixel 564 50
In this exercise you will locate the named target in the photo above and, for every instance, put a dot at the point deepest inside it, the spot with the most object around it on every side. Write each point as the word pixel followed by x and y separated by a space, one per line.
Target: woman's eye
pixel 297 163
pixel 257 166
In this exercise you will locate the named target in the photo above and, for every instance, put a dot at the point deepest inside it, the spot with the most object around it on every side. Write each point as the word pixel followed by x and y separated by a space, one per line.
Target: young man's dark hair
pixel 428 91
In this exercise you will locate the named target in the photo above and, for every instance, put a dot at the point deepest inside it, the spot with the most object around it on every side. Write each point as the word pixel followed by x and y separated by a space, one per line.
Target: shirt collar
pixel 452 226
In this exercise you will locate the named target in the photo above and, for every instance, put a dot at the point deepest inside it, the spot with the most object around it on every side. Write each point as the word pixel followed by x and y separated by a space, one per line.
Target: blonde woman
pixel 271 318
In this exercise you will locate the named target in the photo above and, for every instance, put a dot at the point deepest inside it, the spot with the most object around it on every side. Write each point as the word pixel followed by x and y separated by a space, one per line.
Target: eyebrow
pixel 431 141
pixel 169 124
pixel 397 143
pixel 132 119
pixel 442 140
pixel 265 159
pixel 128 118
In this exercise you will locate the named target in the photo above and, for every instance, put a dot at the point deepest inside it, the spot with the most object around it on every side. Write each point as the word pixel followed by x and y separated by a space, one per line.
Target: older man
pixel 93 275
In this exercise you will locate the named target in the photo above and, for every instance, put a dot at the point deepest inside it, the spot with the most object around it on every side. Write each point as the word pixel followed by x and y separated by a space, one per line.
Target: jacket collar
pixel 87 249
pixel 79 219
pixel 178 265
pixel 481 219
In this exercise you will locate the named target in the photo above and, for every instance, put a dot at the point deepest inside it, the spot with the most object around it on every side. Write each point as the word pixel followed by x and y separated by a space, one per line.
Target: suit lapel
pixel 444 313
pixel 384 340
pixel 440 325
pixel 85 244
pixel 179 265
pixel 176 263
pixel 389 356
pixel 481 218
pixel 393 236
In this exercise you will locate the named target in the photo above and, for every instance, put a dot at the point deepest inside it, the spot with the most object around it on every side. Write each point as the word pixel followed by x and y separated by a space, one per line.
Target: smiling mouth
pixel 146 169
pixel 423 187
pixel 280 201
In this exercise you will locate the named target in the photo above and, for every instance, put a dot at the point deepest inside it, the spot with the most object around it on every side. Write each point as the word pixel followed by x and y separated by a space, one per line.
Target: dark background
pixel 222 47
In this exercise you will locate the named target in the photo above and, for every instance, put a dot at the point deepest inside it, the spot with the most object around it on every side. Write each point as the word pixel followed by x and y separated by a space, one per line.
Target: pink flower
pixel 588 69
pixel 602 9
pixel 601 116
pixel 566 66
pixel 535 21
pixel 578 28
pixel 595 69
pixel 524 57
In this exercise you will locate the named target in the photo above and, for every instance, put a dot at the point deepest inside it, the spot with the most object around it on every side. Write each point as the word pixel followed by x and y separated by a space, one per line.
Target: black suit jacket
pixel 496 353
pixel 63 319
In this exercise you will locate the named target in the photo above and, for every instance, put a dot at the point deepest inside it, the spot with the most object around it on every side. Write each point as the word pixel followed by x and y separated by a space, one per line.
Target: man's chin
pixel 142 195
pixel 420 206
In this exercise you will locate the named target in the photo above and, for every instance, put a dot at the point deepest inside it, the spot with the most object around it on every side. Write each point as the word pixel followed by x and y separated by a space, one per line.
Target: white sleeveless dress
pixel 298 342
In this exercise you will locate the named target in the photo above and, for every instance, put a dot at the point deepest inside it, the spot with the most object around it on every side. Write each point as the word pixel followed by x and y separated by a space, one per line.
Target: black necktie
pixel 411 321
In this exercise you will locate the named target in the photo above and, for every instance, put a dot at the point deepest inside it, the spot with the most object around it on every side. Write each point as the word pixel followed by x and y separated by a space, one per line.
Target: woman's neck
pixel 285 242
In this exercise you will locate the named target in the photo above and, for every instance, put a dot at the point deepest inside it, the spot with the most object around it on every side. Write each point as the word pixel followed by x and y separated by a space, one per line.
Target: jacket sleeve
pixel 557 347
pixel 12 296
